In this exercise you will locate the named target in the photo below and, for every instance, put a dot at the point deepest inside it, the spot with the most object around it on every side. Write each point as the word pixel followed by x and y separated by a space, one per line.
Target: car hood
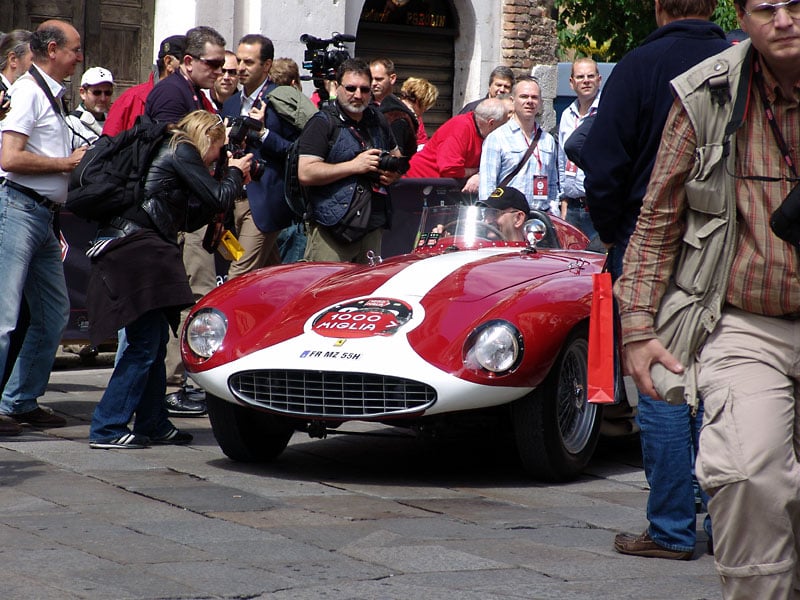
pixel 274 304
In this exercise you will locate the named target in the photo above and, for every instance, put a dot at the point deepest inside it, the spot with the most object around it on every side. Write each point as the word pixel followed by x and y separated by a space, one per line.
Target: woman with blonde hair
pixel 138 280
pixel 419 95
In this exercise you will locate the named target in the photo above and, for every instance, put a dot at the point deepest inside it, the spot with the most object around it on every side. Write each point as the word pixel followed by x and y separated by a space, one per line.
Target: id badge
pixel 570 169
pixel 540 188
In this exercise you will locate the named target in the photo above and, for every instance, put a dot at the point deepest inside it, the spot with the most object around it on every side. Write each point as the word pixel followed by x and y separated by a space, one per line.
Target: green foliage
pixel 606 29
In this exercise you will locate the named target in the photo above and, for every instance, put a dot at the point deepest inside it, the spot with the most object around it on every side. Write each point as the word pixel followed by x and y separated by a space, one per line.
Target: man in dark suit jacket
pixel 263 213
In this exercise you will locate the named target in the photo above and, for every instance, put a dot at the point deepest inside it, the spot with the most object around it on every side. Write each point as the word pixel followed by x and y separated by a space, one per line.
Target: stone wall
pixel 530 45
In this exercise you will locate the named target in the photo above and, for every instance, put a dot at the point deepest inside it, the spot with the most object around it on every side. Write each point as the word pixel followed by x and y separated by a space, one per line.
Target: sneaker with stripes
pixel 128 441
pixel 173 436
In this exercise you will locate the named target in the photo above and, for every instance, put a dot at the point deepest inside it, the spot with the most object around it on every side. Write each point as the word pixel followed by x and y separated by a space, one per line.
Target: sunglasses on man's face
pixel 231 72
pixel 108 93
pixel 351 89
pixel 212 63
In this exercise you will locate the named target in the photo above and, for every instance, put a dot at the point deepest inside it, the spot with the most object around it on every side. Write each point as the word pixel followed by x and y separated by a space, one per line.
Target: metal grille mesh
pixel 332 394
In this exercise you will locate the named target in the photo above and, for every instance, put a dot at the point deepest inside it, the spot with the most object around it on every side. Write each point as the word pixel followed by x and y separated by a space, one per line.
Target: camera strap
pixel 773 123
pixel 525 157
pixel 60 109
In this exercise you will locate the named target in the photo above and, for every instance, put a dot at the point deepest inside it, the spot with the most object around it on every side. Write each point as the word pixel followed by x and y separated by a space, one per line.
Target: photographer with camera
pixel 348 158
pixel 139 282
pixel 261 214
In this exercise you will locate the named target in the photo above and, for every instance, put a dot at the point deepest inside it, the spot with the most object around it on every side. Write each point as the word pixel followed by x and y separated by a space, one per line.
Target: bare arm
pixel 313 170
pixel 15 159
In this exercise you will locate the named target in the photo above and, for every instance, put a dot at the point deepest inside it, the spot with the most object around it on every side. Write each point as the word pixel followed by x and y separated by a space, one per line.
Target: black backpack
pixel 296 194
pixel 110 177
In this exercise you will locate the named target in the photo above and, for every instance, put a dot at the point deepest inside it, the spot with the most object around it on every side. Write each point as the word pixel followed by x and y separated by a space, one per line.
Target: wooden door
pixel 115 34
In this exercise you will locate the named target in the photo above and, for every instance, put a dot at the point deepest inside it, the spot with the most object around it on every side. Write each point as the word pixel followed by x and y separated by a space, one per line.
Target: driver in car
pixel 510 214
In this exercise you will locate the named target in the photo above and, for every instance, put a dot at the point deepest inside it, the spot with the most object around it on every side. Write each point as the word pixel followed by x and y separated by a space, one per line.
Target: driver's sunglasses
pixel 214 64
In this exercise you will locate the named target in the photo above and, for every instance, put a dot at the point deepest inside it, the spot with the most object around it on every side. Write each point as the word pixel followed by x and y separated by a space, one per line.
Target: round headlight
pixel 497 347
pixel 205 332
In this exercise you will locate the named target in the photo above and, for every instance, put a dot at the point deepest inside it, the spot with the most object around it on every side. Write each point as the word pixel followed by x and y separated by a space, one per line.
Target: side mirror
pixel 534 231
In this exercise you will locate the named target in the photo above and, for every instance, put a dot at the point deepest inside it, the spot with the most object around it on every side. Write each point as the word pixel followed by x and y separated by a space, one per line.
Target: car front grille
pixel 331 394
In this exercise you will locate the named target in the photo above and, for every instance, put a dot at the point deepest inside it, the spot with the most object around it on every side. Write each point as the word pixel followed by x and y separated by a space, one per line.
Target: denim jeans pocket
pixel 719 459
pixel 19 201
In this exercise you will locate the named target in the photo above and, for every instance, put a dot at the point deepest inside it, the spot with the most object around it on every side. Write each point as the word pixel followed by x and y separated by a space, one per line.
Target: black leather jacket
pixel 181 193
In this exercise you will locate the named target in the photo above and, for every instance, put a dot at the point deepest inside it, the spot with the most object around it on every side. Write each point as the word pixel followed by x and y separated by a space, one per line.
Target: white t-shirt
pixel 32 115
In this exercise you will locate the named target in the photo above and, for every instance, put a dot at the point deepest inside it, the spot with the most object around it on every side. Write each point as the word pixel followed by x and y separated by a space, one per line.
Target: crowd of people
pixel 677 167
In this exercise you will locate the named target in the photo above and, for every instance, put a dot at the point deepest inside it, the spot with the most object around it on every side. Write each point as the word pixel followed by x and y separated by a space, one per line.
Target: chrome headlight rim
pixel 205 332
pixel 483 337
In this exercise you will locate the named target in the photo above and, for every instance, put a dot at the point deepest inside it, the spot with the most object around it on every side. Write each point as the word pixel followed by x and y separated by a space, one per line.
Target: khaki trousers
pixel 322 246
pixel 202 273
pixel 260 249
pixel 749 370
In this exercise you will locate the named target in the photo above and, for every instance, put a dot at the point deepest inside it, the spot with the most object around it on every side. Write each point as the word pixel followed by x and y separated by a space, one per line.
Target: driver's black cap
pixel 506 197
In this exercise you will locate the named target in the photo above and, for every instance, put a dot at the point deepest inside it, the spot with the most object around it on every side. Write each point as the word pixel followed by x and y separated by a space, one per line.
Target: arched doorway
pixel 418 35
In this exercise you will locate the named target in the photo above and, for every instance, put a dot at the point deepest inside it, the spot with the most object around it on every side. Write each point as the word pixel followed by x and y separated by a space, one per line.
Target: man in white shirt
pixel 37 157
pixel 585 81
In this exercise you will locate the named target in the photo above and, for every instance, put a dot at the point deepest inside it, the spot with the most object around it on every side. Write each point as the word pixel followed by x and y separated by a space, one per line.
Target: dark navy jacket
pixel 173 98
pixel 620 150
pixel 266 197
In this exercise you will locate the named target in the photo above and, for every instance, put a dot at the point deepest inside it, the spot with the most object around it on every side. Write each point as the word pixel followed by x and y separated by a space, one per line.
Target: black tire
pixel 247 435
pixel 555 428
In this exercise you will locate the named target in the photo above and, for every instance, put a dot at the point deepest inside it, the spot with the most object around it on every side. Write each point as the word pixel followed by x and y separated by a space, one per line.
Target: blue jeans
pixel 292 243
pixel 580 218
pixel 669 436
pixel 137 384
pixel 30 263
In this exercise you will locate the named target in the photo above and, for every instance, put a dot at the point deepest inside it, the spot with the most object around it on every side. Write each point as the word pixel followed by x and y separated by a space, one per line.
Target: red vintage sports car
pixel 468 321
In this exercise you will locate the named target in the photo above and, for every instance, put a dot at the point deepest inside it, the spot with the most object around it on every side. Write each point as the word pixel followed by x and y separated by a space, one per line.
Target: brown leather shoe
pixel 9 426
pixel 643 545
pixel 40 417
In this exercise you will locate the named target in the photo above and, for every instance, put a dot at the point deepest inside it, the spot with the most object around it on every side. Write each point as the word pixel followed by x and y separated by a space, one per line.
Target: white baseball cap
pixel 96 76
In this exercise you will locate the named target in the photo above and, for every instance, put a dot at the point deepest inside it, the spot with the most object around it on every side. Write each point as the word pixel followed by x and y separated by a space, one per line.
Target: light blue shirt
pixel 504 148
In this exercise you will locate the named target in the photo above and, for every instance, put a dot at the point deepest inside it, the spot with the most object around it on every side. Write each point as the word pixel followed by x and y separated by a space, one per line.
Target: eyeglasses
pixel 765 13
pixel 365 89
pixel 107 93
pixel 231 72
pixel 215 64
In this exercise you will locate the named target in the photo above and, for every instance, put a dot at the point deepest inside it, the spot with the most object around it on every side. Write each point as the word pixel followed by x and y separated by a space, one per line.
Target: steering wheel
pixel 488 228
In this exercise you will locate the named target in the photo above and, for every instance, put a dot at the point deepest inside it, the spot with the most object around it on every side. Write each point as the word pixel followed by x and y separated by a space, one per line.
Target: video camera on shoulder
pixel 321 60
pixel 244 132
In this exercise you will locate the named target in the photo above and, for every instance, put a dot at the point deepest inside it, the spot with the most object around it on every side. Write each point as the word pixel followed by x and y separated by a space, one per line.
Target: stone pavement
pixel 370 516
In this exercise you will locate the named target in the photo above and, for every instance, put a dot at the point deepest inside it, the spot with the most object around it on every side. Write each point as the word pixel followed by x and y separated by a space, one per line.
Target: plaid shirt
pixel 765 275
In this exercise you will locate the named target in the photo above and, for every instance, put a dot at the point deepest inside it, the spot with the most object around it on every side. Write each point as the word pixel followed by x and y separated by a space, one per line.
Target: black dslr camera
pixel 785 221
pixel 396 164
pixel 244 132
pixel 322 61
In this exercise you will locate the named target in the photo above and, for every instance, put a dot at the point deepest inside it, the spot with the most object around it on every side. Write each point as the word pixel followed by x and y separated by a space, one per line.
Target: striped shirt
pixel 765 275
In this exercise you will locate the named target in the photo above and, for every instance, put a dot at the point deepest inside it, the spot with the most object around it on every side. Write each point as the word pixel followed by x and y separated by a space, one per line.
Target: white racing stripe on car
pixel 422 276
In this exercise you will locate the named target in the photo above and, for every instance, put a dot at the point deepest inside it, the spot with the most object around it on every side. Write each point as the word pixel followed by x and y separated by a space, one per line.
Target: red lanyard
pixel 773 123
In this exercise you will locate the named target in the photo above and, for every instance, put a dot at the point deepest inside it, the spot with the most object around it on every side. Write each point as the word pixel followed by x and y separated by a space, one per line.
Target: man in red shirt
pixel 130 104
pixel 455 148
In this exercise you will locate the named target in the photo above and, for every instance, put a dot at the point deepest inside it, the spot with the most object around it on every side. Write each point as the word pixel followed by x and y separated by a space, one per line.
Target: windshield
pixel 466 227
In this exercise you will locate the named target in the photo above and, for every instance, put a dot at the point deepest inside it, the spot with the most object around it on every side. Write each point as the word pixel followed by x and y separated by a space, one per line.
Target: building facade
pixel 453 43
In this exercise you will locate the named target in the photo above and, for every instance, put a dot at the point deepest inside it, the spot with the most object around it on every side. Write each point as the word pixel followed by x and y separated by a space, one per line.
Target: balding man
pixel 585 82
pixel 36 157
